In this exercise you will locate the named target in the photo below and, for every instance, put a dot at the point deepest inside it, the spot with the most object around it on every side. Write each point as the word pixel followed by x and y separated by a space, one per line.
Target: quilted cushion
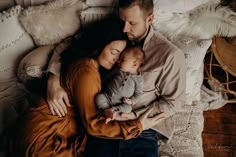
pixel 15 42
pixel 52 22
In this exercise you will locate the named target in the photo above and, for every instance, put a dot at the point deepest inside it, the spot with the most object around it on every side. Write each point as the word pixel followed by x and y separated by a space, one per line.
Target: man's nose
pixel 126 27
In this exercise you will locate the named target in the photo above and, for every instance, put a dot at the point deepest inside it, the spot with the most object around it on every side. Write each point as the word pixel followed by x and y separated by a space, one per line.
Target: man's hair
pixel 145 5
pixel 137 53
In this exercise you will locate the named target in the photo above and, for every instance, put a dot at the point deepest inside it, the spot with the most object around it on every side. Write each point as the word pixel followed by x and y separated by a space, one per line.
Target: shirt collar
pixel 148 36
pixel 145 39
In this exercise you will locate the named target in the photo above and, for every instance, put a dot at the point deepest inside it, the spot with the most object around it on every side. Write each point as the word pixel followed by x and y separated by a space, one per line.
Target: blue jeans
pixel 144 145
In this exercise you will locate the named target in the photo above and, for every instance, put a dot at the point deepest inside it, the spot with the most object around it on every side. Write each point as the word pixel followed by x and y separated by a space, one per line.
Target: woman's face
pixel 110 54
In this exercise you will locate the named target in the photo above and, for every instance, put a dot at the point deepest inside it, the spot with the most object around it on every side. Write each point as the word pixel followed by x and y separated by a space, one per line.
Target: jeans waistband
pixel 149 134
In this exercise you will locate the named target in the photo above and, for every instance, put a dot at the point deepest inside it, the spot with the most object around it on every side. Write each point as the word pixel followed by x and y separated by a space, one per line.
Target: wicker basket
pixel 220 66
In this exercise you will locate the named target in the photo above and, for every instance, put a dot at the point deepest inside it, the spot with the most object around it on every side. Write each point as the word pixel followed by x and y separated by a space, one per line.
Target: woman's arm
pixel 85 84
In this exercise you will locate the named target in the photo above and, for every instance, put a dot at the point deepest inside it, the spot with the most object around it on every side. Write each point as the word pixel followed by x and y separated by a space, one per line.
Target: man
pixel 164 66
pixel 164 84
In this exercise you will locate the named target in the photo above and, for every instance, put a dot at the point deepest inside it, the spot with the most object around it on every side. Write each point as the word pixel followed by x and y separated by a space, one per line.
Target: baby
pixel 126 87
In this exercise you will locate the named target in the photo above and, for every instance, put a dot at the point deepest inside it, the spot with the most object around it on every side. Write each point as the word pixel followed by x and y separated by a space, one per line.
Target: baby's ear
pixel 135 63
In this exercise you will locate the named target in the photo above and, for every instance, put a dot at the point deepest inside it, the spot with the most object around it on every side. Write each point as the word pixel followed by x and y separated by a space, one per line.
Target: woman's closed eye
pixel 113 52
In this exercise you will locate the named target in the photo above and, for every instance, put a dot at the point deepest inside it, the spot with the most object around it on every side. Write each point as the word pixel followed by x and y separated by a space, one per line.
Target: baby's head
pixel 131 59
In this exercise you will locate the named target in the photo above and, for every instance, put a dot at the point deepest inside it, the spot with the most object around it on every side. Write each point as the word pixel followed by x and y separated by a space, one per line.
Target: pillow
pixel 26 3
pixel 91 15
pixel 202 22
pixel 14 43
pixel 101 3
pixel 52 22
pixel 179 6
pixel 167 5
pixel 194 51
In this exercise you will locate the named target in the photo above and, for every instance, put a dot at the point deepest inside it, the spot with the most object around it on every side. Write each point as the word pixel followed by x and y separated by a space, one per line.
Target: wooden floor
pixel 219 135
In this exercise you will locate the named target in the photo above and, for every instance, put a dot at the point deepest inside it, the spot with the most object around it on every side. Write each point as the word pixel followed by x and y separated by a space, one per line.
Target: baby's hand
pixel 127 101
pixel 109 114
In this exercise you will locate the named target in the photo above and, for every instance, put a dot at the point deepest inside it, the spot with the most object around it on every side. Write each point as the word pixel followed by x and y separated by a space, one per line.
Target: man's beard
pixel 138 38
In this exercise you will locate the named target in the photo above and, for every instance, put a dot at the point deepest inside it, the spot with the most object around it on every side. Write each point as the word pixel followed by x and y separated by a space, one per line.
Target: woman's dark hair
pixel 93 39
pixel 91 42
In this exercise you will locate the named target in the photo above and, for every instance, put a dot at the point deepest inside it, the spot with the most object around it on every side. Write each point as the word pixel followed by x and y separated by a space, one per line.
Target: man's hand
pixel 147 121
pixel 57 97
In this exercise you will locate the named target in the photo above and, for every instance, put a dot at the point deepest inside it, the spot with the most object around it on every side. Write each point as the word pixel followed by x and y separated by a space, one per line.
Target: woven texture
pixel 187 140
pixel 217 69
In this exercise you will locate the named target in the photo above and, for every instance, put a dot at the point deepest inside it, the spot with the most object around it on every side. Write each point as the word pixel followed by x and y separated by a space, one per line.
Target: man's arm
pixel 57 97
pixel 54 65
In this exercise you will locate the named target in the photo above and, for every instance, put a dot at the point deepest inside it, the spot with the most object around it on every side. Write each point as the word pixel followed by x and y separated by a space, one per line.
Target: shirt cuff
pixel 55 68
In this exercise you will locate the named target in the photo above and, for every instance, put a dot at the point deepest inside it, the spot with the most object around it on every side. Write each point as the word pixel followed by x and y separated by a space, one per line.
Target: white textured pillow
pixel 194 51
pixel 90 15
pixel 180 5
pixel 167 5
pixel 14 43
pixel 52 22
pixel 202 22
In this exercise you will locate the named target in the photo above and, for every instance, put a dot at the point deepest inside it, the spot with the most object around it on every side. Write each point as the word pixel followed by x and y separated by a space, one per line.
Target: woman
pixel 39 133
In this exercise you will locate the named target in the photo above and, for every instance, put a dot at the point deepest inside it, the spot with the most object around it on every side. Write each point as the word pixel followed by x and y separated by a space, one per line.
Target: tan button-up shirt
pixel 164 74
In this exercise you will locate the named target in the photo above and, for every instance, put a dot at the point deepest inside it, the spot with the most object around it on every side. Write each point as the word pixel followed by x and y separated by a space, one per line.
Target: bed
pixel 189 24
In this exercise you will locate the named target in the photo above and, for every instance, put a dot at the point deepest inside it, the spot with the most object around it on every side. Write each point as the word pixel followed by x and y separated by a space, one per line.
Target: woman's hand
pixel 147 121
pixel 57 97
